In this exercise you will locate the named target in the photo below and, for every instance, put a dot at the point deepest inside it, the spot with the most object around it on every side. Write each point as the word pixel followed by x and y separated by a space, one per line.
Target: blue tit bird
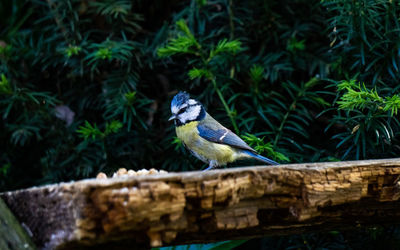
pixel 205 137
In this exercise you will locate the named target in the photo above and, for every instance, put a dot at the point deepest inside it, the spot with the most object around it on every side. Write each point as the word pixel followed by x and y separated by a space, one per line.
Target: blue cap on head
pixel 179 99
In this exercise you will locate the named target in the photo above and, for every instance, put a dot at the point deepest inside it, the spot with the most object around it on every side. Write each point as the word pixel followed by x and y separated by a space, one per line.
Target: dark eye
pixel 182 110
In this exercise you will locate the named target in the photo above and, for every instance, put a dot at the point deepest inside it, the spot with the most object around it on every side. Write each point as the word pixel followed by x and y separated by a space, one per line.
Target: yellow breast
pixel 204 149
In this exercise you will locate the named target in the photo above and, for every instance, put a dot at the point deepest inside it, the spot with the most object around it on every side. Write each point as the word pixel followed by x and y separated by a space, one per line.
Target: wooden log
pixel 194 207
pixel 12 234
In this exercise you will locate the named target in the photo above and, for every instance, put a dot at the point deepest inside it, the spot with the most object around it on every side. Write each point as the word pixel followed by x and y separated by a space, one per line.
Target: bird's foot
pixel 212 164
pixel 209 168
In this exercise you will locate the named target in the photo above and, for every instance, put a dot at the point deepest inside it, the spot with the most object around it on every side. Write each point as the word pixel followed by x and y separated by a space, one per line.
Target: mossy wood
pixel 12 234
pixel 194 207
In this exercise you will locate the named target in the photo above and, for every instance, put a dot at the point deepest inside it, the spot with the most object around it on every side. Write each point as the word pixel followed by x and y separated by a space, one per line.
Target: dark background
pixel 85 87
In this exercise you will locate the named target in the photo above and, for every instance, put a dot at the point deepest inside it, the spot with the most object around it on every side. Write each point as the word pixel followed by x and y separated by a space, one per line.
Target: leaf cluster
pixel 91 131
pixel 360 98
pixel 370 120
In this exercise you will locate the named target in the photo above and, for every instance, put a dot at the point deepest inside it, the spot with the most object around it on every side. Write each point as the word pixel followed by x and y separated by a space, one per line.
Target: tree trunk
pixel 193 207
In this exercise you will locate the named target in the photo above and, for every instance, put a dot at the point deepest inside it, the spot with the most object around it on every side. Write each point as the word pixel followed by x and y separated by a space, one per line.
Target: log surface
pixel 193 207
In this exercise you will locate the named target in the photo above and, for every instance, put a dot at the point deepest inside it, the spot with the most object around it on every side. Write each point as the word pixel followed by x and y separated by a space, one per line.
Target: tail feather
pixel 261 158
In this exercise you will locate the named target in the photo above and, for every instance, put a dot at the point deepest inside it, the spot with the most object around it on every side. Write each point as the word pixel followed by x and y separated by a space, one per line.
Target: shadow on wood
pixel 194 207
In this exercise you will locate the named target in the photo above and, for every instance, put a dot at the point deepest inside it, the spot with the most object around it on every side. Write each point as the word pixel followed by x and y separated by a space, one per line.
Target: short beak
pixel 173 117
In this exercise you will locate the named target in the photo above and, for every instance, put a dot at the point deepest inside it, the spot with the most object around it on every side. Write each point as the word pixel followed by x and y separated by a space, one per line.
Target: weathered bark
pixel 12 235
pixel 178 208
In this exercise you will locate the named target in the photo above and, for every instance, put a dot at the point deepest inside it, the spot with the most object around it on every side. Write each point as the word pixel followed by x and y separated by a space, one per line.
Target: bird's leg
pixel 209 168
pixel 211 165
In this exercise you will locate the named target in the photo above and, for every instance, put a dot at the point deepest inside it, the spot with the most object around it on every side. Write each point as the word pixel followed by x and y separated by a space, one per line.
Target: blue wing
pixel 223 136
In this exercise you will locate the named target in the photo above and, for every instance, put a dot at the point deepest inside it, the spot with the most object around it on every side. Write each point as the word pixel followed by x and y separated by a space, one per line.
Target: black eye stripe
pixel 182 110
pixel 185 108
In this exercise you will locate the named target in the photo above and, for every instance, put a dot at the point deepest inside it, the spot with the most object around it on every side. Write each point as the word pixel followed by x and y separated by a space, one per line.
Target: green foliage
pixel 115 64
pixel 199 73
pixel 261 147
pixel 256 73
pixel 224 46
pixel 130 98
pixel 119 50
pixel 211 246
pixel 366 30
pixel 4 170
pixel 5 87
pixel 91 131
pixel 183 43
pixel 294 45
pixel 392 103
pixel 72 51
pixel 112 8
pixel 359 97
pixel 90 69
pixel 369 120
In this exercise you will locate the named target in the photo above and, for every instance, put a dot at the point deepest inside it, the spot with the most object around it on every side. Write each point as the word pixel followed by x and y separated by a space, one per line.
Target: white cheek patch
pixel 192 102
pixel 190 114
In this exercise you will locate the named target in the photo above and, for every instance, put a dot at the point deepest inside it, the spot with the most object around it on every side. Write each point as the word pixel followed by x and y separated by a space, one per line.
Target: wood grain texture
pixel 192 207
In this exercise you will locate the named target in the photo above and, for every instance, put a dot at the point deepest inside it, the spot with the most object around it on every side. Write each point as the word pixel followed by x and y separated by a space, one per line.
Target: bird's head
pixel 185 110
